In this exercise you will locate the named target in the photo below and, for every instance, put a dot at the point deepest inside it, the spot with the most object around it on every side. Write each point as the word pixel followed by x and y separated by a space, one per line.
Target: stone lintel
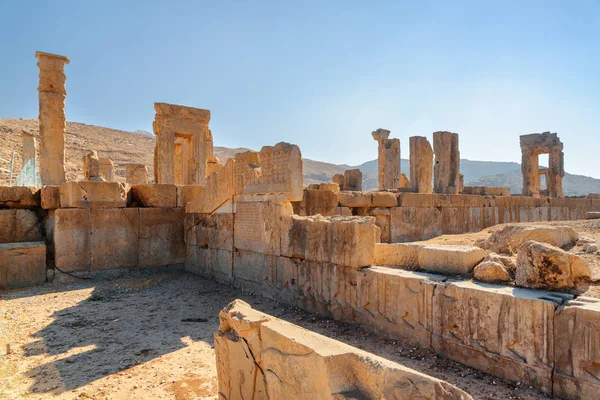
pixel 41 54
pixel 175 111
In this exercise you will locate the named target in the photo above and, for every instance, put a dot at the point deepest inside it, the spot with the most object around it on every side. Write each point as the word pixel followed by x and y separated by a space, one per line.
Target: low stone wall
pixel 259 356
pixel 544 339
pixel 108 238
pixel 414 217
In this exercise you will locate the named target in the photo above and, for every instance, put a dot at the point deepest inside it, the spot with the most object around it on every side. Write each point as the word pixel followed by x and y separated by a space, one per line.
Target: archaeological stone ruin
pixel 506 304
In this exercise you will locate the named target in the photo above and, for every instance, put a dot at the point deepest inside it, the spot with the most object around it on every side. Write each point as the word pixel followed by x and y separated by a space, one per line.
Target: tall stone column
pixel 164 152
pixel 531 173
pixel 52 117
pixel 446 172
pixel 179 160
pixel 421 165
pixel 388 160
pixel 199 153
pixel 556 171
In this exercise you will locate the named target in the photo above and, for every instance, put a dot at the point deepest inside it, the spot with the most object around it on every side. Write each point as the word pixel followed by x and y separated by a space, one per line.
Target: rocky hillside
pixel 138 147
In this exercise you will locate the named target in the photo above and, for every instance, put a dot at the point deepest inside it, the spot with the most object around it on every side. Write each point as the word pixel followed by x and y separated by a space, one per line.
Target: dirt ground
pixel 121 335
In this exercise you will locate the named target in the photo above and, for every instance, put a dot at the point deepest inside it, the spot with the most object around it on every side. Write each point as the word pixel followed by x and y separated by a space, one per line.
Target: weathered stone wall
pixel 108 238
pixel 407 217
pixel 507 332
pixel 259 356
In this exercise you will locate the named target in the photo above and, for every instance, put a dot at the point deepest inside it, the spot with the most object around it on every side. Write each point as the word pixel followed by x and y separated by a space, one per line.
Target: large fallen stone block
pixel 542 266
pixel 508 239
pixel 161 237
pixel 22 264
pixel 495 268
pixel 19 196
pixel 261 357
pixel 156 195
pixel 450 259
pixel 345 241
pixel 500 330
pixel 447 259
pixel 93 195
pixel 397 254
pixel 577 350
pixel 19 226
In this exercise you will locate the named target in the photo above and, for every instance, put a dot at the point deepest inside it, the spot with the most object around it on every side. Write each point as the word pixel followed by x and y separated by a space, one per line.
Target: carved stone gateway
pixel 184 144
pixel 388 160
pixel 531 147
pixel 446 172
pixel 52 118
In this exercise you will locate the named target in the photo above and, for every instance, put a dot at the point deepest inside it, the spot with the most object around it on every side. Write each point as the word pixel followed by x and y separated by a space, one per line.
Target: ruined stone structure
pixel 421 164
pixel 388 160
pixel 136 174
pixel 531 147
pixel 91 167
pixel 184 145
pixel 446 172
pixel 52 117
pixel 107 169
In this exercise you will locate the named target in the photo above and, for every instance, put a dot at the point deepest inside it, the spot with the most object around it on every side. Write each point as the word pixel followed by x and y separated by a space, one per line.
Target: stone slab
pixel 50 197
pixel 161 237
pixel 155 195
pixel 72 239
pixel 22 264
pixel 19 225
pixel 258 225
pixel 93 195
pixel 19 196
pixel 114 238
pixel 187 193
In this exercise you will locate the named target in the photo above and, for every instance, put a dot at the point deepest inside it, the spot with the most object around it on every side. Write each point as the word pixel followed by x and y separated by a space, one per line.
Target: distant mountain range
pixel 126 147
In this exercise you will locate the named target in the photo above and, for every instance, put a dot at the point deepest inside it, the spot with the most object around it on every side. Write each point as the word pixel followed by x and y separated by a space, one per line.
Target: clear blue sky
pixel 323 74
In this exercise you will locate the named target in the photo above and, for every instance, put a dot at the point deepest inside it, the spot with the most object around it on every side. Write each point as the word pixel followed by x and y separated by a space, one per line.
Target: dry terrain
pixel 123 335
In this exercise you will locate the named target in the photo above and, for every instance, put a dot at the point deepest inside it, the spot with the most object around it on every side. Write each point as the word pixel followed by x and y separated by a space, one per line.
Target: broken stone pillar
pixel 107 169
pixel 340 180
pixel 531 147
pixel 446 172
pixel 388 160
pixel 52 117
pixel 136 174
pixel 91 167
pixel 353 180
pixel 421 164
pixel 28 145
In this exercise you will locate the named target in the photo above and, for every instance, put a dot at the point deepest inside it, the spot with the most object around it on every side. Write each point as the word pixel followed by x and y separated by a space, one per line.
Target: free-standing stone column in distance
pixel 421 164
pixel 28 145
pixel 52 119
pixel 446 172
pixel 388 160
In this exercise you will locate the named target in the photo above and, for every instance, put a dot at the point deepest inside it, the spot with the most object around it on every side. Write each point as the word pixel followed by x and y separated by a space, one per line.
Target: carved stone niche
pixel 531 147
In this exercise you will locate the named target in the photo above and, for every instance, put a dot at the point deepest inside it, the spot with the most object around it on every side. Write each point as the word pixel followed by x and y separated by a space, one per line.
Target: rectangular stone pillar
pixel 198 156
pixel 531 174
pixel 165 158
pixel 556 171
pixel 388 160
pixel 52 117
pixel 421 165
pixel 107 169
pixel 446 172
pixel 178 164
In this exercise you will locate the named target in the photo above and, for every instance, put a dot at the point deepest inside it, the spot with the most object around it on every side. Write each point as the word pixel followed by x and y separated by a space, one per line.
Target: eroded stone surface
pixel 22 264
pixel 93 195
pixel 447 163
pixel 156 195
pixel 388 160
pixel 508 239
pixel 259 356
pixel 136 174
pixel 543 266
pixel 421 165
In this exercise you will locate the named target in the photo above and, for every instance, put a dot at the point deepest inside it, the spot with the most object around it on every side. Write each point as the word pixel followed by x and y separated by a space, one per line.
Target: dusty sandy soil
pixel 121 336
